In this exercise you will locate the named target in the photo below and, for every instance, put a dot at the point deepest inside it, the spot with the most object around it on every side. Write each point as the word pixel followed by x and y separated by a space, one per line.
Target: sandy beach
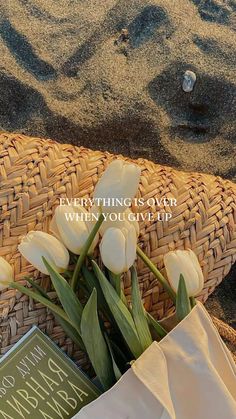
pixel 69 72
pixel 109 75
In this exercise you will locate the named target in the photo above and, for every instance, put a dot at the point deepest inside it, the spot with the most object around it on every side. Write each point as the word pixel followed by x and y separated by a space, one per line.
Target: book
pixel 38 381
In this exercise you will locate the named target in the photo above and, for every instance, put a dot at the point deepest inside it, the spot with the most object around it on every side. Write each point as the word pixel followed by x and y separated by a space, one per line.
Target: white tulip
pixel 118 248
pixel 116 220
pixel 6 274
pixel 119 181
pixel 37 244
pixel 184 262
pixel 72 226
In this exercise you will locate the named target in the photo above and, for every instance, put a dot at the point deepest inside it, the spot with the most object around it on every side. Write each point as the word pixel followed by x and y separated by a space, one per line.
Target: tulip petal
pixel 53 228
pixel 186 263
pixel 171 265
pixel 73 232
pixel 6 274
pixel 131 172
pixel 37 244
pixel 123 220
pixel 73 227
pixel 58 254
pixel 188 270
pixel 198 269
pixel 33 256
pixel 119 181
pixel 130 216
pixel 110 177
pixel 112 248
pixel 130 246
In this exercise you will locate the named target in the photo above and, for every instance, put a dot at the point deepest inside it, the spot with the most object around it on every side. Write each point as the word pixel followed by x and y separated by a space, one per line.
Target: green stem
pixel 83 254
pixel 116 282
pixel 192 301
pixel 157 273
pixel 43 300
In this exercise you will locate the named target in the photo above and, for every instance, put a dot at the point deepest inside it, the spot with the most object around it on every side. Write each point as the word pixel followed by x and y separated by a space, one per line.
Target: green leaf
pixel 156 273
pixel 183 306
pixel 92 282
pixel 66 326
pixel 114 364
pixel 71 332
pixel 53 307
pixel 84 252
pixel 193 301
pixel 95 343
pixel 158 329
pixel 120 355
pixel 68 274
pixel 120 313
pixel 66 295
pixel 138 313
pixel 37 287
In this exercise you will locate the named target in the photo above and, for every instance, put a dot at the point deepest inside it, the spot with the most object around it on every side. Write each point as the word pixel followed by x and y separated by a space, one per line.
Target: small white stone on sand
pixel 189 81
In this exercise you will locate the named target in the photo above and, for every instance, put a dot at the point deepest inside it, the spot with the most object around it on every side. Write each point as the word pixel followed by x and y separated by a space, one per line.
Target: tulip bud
pixel 118 248
pixel 37 244
pixel 72 226
pixel 124 219
pixel 119 181
pixel 6 274
pixel 184 262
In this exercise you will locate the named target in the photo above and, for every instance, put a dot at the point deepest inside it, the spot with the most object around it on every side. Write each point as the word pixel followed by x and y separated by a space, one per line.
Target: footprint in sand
pixel 211 47
pixel 147 25
pixel 18 103
pixel 22 50
pixel 150 23
pixel 220 11
pixel 200 115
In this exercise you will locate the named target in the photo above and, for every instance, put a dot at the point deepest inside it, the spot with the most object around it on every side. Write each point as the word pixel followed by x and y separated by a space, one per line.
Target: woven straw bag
pixel 35 173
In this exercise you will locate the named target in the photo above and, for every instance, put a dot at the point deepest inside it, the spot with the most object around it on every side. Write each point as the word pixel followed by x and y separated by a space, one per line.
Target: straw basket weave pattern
pixel 35 173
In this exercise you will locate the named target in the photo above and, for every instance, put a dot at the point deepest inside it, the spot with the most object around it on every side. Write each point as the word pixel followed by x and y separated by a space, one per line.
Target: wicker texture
pixel 227 333
pixel 35 173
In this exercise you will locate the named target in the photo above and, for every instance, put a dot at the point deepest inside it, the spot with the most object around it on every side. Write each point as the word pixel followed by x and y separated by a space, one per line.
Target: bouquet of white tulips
pixel 89 297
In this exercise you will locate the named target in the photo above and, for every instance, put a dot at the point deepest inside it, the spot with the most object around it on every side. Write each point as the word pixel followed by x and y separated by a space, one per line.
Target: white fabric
pixel 190 374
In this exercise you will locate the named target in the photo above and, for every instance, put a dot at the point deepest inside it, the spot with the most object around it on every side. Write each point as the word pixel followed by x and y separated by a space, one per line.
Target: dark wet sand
pixel 68 72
